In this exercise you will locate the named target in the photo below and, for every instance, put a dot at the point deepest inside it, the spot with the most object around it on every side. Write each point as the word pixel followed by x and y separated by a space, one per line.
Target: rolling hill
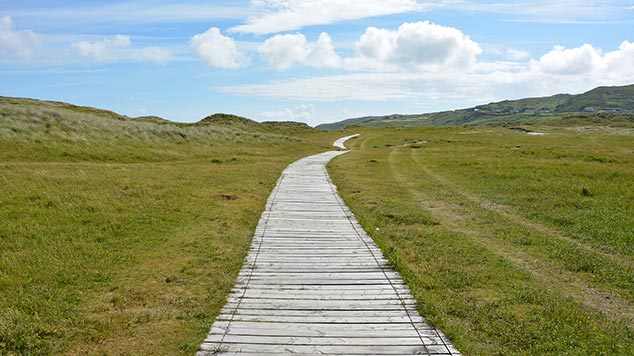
pixel 603 100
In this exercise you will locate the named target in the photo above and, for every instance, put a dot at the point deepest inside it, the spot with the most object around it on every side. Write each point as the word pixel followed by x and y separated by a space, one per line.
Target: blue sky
pixel 311 60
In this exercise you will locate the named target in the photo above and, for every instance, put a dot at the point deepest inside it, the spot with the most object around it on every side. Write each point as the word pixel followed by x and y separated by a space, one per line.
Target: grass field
pixel 511 243
pixel 122 236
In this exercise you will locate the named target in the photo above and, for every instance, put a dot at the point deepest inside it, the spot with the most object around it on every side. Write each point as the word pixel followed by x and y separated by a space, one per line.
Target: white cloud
pixel 17 43
pixel 569 61
pixel 548 11
pixel 357 86
pixel 284 51
pixel 304 113
pixel 516 54
pixel 87 13
pixel 285 15
pixel 218 50
pixel 154 54
pixel 119 48
pixel 105 50
pixel 557 72
pixel 590 61
pixel 620 63
pixel 420 45
pixel 508 53
pixel 413 46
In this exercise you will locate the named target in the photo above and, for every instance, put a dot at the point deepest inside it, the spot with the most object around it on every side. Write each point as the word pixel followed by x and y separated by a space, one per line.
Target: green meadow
pixel 511 243
pixel 125 236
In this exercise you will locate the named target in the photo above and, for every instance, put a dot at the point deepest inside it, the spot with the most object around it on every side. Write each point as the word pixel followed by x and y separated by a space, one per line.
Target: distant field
pixel 122 236
pixel 511 243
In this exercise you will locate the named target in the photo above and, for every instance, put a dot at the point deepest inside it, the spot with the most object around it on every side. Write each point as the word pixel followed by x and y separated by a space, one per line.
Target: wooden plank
pixel 320 275
pixel 318 305
pixel 386 291
pixel 321 289
pixel 242 353
pixel 325 313
pixel 303 340
pixel 315 319
pixel 328 329
pixel 349 331
pixel 320 349
pixel 310 295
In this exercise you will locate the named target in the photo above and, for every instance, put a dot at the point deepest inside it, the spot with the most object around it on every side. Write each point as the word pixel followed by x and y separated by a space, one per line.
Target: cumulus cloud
pixel 285 15
pixel 413 46
pixel 420 45
pixel 621 61
pixel 285 51
pixel 561 60
pixel 589 62
pixel 218 50
pixel 304 113
pixel 558 71
pixel 17 43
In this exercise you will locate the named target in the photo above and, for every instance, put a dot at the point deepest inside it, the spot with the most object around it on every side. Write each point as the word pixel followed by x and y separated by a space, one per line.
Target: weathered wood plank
pixel 321 349
pixel 328 329
pixel 316 319
pixel 303 340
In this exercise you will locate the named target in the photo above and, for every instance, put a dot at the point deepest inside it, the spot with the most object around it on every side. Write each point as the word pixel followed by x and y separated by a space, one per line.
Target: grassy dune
pixel 511 243
pixel 124 236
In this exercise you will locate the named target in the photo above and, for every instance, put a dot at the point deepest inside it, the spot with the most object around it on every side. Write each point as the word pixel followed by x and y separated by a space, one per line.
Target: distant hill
pixel 23 117
pixel 607 100
pixel 228 120
pixel 244 123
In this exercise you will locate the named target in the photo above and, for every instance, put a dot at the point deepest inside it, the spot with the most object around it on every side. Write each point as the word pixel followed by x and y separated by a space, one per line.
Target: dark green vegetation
pixel 614 103
pixel 125 236
pixel 511 243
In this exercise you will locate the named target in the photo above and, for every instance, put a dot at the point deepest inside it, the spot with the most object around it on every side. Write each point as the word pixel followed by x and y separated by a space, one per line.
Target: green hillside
pixel 56 130
pixel 613 101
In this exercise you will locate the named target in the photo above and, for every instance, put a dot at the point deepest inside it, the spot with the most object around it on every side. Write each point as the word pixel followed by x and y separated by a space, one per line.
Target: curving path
pixel 315 283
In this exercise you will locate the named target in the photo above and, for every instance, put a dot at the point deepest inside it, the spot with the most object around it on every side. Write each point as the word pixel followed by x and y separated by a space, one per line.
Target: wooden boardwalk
pixel 315 283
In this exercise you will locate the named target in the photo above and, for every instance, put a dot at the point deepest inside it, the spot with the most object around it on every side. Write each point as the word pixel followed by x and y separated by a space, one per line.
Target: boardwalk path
pixel 315 283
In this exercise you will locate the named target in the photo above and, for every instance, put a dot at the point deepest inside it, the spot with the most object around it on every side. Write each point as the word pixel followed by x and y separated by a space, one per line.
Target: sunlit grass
pixel 123 237
pixel 511 243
